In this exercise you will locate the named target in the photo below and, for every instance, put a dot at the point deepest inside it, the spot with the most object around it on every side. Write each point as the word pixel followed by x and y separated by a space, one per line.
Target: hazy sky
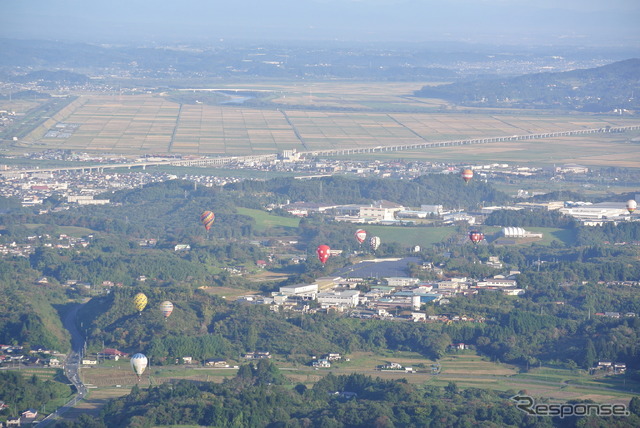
pixel 578 22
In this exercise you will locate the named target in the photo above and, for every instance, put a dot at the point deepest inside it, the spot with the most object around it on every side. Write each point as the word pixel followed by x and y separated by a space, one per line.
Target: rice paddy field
pixel 327 115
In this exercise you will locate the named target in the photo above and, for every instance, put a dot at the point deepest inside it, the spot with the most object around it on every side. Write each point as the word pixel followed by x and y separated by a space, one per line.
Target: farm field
pixel 469 370
pixel 619 150
pixel 326 116
pixel 466 369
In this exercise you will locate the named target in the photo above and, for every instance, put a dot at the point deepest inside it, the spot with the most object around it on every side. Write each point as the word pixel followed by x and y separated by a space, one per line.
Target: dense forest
pixel 23 392
pixel 29 312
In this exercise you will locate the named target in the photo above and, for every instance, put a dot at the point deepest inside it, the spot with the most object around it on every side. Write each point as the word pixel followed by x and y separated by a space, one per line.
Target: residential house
pixel 257 355
pixel 216 362
pixel 13 422
pixel 29 414
pixel 111 354
pixel 321 363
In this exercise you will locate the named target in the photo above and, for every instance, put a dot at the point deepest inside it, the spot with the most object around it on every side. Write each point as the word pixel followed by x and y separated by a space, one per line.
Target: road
pixel 71 367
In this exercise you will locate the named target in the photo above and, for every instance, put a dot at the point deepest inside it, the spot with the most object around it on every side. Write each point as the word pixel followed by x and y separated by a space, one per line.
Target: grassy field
pixel 326 115
pixel 266 221
pixel 549 234
pixel 74 231
pixel 410 236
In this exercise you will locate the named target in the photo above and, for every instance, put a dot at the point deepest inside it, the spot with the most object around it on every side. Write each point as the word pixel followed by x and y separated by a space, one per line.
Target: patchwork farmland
pixel 331 117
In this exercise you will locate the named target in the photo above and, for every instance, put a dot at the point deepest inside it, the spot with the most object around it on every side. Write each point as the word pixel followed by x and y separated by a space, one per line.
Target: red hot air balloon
pixel 361 235
pixel 207 219
pixel 323 253
pixel 466 175
pixel 476 236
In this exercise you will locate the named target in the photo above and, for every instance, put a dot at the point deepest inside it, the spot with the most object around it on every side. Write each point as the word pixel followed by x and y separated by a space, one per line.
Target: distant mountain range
pixel 608 88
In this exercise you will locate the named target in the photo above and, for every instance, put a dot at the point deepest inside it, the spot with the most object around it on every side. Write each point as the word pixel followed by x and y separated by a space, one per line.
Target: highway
pixel 71 367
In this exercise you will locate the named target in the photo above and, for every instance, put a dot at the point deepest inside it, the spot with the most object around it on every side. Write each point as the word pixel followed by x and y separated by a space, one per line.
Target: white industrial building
pixel 86 200
pixel 599 211
pixel 401 281
pixel 498 282
pixel 308 291
pixel 459 216
pixel 380 211
pixel 347 298
pixel 518 232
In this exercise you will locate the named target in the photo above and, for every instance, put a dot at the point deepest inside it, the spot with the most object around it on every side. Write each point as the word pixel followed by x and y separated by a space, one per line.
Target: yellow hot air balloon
pixel 140 301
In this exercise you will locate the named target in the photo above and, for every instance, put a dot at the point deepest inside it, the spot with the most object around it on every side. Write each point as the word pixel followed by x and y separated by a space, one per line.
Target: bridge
pixel 221 161
pixel 452 143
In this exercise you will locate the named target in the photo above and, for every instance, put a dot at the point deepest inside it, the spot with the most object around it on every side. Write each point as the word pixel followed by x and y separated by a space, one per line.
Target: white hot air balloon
pixel 138 364
pixel 631 205
pixel 166 308
pixel 374 242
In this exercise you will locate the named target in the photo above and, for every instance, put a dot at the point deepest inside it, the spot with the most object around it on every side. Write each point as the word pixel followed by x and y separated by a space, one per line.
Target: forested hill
pixel 602 89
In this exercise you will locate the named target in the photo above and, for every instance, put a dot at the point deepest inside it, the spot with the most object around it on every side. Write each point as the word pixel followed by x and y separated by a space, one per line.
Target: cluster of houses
pixel 608 367
pixel 616 314
pixel 25 249
pixel 26 418
pixel 326 360
pixel 16 355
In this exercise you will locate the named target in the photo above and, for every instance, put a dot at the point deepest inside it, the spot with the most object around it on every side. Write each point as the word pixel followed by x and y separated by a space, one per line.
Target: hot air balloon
pixel 466 175
pixel 323 253
pixel 374 242
pixel 631 205
pixel 138 364
pixel 476 236
pixel 140 301
pixel 166 308
pixel 361 235
pixel 207 219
